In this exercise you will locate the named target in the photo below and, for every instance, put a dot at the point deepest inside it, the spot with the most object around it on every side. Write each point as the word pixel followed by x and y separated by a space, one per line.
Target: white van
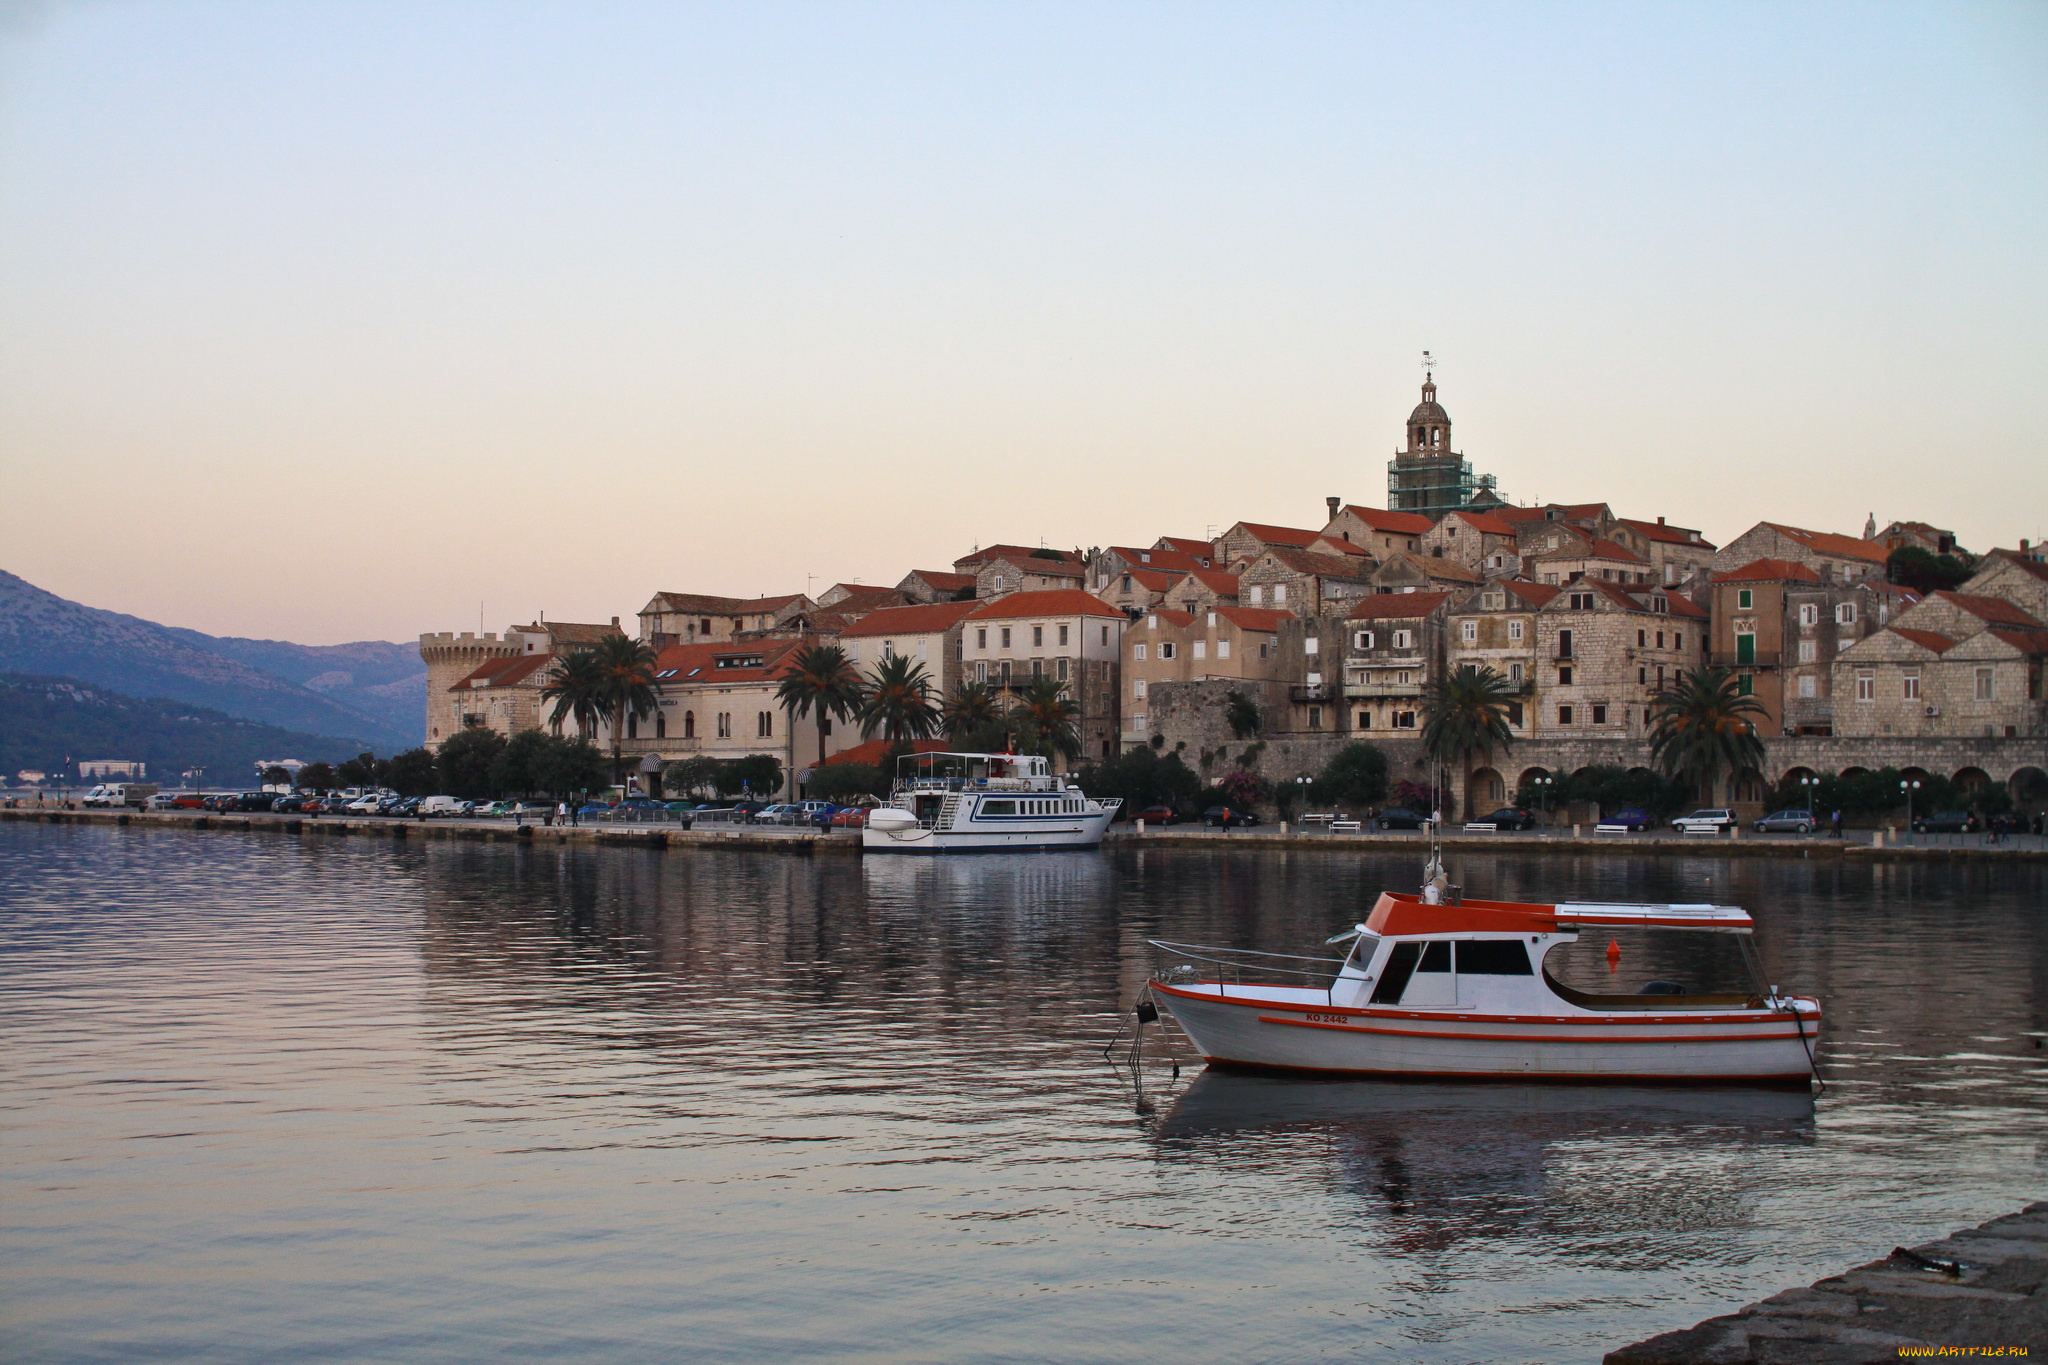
pixel 134 794
pixel 442 805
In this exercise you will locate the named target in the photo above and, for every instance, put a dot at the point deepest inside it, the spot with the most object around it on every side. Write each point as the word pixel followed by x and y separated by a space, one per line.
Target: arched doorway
pixel 1485 791
pixel 1967 779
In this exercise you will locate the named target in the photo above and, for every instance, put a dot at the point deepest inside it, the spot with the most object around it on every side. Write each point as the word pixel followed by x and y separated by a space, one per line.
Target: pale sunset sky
pixel 326 321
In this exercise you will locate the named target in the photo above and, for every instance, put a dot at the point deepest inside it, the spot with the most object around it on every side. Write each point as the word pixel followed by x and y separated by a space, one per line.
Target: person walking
pixel 1838 822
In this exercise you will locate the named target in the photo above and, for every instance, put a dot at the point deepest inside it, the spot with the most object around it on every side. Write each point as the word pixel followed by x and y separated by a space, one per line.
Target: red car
pixel 853 817
pixel 1156 815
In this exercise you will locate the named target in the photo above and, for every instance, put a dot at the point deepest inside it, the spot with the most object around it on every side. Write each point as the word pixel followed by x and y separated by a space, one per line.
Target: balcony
pixel 1762 658
pixel 1310 692
pixel 1383 689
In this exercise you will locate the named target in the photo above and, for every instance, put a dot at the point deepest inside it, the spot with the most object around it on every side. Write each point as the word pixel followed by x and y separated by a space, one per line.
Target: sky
pixel 331 321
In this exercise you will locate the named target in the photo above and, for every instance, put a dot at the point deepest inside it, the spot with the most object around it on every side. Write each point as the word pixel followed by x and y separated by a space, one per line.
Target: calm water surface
pixel 355 1101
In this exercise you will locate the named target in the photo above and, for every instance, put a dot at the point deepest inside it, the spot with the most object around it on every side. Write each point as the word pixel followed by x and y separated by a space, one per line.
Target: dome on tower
pixel 1428 410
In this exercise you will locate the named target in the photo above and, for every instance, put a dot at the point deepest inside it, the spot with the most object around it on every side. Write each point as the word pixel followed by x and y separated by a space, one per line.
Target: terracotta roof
pixel 1677 604
pixel 1621 554
pixel 1047 602
pixel 1201 549
pixel 1337 545
pixel 869 599
pixel 1670 535
pixel 679 664
pixel 988 552
pixel 504 672
pixel 1483 521
pixel 1059 568
pixel 1254 618
pixel 1434 566
pixel 2026 641
pixel 1770 571
pixel 2014 558
pixel 924 619
pixel 1322 566
pixel 1926 639
pixel 1154 580
pixel 947 582
pixel 1396 606
pixel 1591 547
pixel 1989 608
pixel 1828 543
pixel 875 750
pixel 708 605
pixel 1279 535
pixel 575 633
pixel 1581 511
pixel 1172 617
pixel 1536 594
pixel 1393 523
pixel 1177 560
pixel 1216 581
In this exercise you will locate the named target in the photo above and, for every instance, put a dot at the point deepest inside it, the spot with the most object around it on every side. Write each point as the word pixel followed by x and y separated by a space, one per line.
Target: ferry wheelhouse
pixel 1462 989
pixel 961 803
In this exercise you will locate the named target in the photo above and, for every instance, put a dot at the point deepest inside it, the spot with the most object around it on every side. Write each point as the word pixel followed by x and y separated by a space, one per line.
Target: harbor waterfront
pixel 428 1099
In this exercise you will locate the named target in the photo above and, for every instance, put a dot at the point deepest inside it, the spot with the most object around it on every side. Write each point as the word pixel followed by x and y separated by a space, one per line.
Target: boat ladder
pixel 947 811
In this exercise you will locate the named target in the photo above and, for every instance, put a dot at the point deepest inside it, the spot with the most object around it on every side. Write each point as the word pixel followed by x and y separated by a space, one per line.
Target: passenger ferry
pixel 966 803
pixel 1436 985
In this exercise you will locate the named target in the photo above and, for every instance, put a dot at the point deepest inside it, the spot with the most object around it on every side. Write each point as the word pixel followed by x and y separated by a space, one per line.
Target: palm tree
pixel 972 706
pixel 820 678
pixel 626 667
pixel 1700 726
pixel 1466 716
pixel 899 701
pixel 1043 718
pixel 577 691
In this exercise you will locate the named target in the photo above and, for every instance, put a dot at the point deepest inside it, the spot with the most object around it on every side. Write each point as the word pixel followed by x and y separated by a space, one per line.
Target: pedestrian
pixel 575 813
pixel 1838 822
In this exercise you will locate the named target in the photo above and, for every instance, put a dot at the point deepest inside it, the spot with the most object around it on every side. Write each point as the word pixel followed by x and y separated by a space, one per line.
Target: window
pixel 1599 713
pixel 1038 637
pixel 1404 639
pixel 660 726
pixel 1515 714
pixel 1745 648
pixel 1468 632
pixel 981 637
pixel 981 671
pixel 1564 715
pixel 1312 645
pixel 1038 668
pixel 1809 686
pixel 1201 649
pixel 1678 640
pixel 764 725
pixel 1515 631
pixel 1365 720
pixel 1866 686
pixel 1127 582
pixel 1363 639
pixel 1808 651
pixel 1063 637
pixel 1515 671
pixel 1138 722
pixel 1845 614
pixel 1642 639
pixel 1809 614
pixel 1909 687
pixel 1006 637
pixel 1582 601
pixel 1279 594
pixel 633 725
pixel 1564 677
pixel 1984 690
pixel 1660 639
pixel 725 725
pixel 1315 717
pixel 1166 650
pixel 1063 668
pixel 1223 649
pixel 689 725
pixel 1105 635
pixel 1258 594
pixel 1744 599
pixel 1564 644
pixel 1404 720
pixel 888 649
pixel 1493 957
pixel 1643 674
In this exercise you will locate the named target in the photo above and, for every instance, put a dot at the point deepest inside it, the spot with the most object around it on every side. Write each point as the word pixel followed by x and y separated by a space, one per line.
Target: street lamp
pixel 1909 786
pixel 1543 786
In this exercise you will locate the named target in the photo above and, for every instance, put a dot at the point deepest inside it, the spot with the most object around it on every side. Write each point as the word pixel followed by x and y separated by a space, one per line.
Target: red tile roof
pixel 574 632
pixel 989 552
pixel 1397 606
pixel 1177 560
pixel 1926 639
pixel 1279 535
pixel 504 672
pixel 1677 604
pixel 679 664
pixel 1216 581
pixel 2026 641
pixel 929 618
pixel 1536 594
pixel 1322 566
pixel 1337 545
pixel 1200 549
pixel 1770 571
pixel 1578 511
pixel 1828 543
pixel 1048 602
pixel 1254 618
pixel 944 582
pixel 1620 554
pixel 1436 567
pixel 1669 535
pixel 875 750
pixel 1154 580
pixel 1989 608
pixel 1483 521
pixel 1172 617
pixel 1393 523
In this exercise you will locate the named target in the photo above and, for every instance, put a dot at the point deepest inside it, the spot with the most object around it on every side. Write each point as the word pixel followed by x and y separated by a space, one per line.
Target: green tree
pixel 898 701
pixel 1465 717
pixel 971 709
pixel 570 767
pixel 627 667
pixel 843 781
pixel 1242 715
pixel 517 769
pixel 1924 571
pixel 317 777
pixel 820 680
pixel 1043 719
pixel 1356 775
pixel 757 775
pixel 1142 777
pixel 694 777
pixel 360 771
pixel 413 772
pixel 277 775
pixel 1701 727
pixel 575 692
pixel 467 760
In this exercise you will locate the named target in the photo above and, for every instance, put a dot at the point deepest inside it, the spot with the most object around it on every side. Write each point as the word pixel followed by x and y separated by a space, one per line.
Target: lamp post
pixel 1543 786
pixel 1909 786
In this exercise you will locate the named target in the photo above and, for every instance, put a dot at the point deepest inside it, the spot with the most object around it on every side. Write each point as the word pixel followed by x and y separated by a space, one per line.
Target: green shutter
pixel 1745 650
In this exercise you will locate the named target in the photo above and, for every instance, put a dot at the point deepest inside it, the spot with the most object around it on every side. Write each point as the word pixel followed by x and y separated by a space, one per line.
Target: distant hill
pixel 297 687
pixel 44 721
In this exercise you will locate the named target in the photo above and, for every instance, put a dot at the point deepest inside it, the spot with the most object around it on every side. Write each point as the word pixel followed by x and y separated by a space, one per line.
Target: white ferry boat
pixel 1460 988
pixel 970 803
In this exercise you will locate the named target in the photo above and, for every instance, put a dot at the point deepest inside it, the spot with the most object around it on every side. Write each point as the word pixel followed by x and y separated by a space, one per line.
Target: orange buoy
pixel 1613 955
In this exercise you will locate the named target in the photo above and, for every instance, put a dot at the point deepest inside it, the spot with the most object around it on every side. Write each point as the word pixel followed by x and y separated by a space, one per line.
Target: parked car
pixel 1228 817
pixel 593 808
pixel 1156 815
pixel 1947 822
pixel 853 817
pixel 189 800
pixel 365 805
pixel 1510 817
pixel 164 801
pixel 1400 817
pixel 748 807
pixel 254 801
pixel 217 801
pixel 1709 820
pixel 1635 820
pixel 1788 822
pixel 288 805
pixel 334 805
pixel 782 813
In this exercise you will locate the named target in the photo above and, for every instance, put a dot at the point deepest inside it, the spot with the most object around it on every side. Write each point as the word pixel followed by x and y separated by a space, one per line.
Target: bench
pixel 1345 826
pixel 1327 817
pixel 1482 827
pixel 1610 829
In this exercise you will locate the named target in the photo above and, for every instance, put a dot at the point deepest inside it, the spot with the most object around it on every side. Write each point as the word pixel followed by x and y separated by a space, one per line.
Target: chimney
pixel 1660 521
pixel 615 623
pixel 1334 504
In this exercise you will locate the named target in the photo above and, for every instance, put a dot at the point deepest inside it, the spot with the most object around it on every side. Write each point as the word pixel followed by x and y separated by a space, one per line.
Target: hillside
pixel 42 633
pixel 45 721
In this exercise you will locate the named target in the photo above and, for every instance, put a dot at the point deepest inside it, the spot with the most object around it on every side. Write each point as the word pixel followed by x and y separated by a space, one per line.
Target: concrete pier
pixel 1981 1293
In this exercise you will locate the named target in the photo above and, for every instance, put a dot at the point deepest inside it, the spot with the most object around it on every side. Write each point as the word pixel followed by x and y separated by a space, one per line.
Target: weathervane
pixel 1429 365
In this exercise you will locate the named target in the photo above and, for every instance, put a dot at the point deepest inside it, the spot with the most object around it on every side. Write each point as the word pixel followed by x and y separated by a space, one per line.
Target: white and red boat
pixel 1460 988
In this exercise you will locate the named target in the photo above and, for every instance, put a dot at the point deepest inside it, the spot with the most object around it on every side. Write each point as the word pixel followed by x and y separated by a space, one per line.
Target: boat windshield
pixel 954 772
pixel 1665 962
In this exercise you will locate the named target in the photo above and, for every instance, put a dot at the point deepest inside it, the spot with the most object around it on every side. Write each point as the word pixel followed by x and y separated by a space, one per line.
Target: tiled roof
pixel 1989 608
pixel 1620 554
pixel 1926 639
pixel 1437 567
pixel 504 672
pixel 1177 560
pixel 869 599
pixel 680 664
pixel 1393 523
pixel 1770 571
pixel 1200 549
pixel 707 605
pixel 1254 618
pixel 989 552
pixel 1535 594
pixel 575 632
pixel 1322 566
pixel 944 582
pixel 1677 604
pixel 1048 602
pixel 1154 580
pixel 1578 511
pixel 2014 558
pixel 1216 581
pixel 1669 535
pixel 1397 606
pixel 1172 617
pixel 875 750
pixel 926 619
pixel 1828 543
pixel 1483 521
pixel 1337 545
pixel 1051 568
pixel 1279 535
pixel 2026 641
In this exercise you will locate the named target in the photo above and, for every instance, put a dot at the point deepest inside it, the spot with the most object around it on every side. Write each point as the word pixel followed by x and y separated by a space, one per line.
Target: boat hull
pixel 1232 1028
pixel 1016 836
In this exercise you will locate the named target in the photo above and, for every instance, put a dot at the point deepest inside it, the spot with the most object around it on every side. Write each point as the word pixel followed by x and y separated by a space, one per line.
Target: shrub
pixel 842 781
pixel 1142 777
pixel 1356 775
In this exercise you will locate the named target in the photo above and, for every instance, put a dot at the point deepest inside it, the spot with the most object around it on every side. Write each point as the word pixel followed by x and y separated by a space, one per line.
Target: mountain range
pixel 370 694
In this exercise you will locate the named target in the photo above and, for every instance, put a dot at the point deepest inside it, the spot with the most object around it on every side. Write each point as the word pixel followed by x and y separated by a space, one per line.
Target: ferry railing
pixel 1231 959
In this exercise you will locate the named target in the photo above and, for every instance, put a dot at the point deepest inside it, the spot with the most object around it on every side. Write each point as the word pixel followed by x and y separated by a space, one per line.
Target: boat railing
pixel 1233 960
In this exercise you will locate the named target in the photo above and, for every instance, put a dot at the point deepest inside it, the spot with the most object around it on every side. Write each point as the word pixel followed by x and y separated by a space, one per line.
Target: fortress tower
pixel 450 658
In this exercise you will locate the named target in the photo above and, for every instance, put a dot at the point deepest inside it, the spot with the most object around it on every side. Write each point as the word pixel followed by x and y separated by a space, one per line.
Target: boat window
pixel 1394 980
pixel 999 808
pixel 1494 957
pixel 1436 957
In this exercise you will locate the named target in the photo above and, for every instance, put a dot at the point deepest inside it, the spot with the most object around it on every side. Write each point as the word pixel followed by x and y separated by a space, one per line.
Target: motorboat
pixel 969 803
pixel 1438 985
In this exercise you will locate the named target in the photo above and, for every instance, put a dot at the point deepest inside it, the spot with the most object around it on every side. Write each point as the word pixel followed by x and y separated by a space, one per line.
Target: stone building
pixel 1428 478
pixel 1032 571
pixel 1836 558
pixel 1603 650
pixel 1576 555
pixel 1065 634
pixel 1494 627
pixel 1228 644
pixel 1779 627
pixel 1135 591
pixel 1383 653
pixel 495 681
pixel 1422 573
pixel 2017 578
pixel 1377 532
pixel 717 700
pixel 1247 540
pixel 1676 553
pixel 1302 582
pixel 929 633
pixel 688 618
pixel 1954 664
pixel 930 585
pixel 1918 534
pixel 1204 590
pixel 1481 541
